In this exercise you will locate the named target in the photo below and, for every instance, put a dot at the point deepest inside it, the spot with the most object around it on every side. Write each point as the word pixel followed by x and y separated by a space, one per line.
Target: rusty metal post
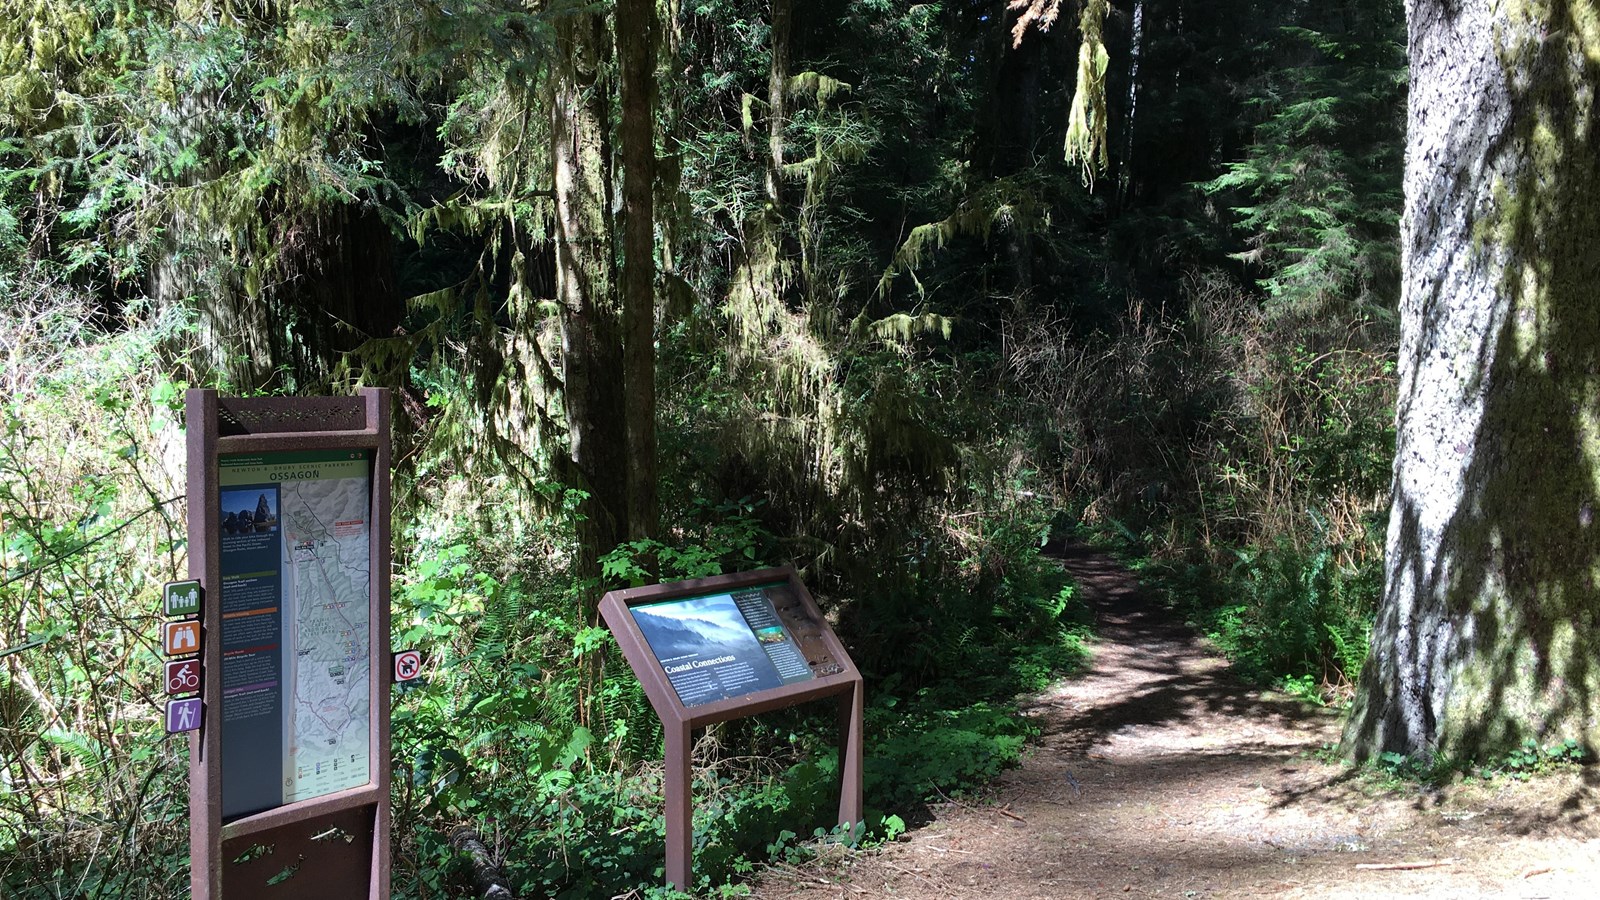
pixel 852 725
pixel 205 566
pixel 377 405
pixel 678 786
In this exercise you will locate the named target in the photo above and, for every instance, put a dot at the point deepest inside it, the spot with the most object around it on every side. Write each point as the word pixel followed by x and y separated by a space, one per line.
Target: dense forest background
pixel 891 291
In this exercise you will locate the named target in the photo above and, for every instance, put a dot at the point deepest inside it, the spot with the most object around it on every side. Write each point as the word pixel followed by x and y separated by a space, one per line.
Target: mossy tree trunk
pixel 284 266
pixel 777 96
pixel 1488 631
pixel 591 321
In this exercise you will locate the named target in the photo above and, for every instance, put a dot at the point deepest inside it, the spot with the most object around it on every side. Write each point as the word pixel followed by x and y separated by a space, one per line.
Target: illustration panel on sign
pixel 720 646
pixel 755 604
pixel 250 510
pixel 326 588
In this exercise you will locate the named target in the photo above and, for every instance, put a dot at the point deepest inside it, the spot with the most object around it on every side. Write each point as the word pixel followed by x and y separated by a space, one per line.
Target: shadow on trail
pixel 1155 672
pixel 1160 772
pixel 1154 676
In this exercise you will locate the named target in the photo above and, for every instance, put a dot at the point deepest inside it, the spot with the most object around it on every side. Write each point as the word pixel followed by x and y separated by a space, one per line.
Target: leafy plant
pixel 1533 759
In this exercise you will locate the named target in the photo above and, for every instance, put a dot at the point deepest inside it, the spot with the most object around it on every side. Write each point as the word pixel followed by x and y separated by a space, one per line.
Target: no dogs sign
pixel 407 666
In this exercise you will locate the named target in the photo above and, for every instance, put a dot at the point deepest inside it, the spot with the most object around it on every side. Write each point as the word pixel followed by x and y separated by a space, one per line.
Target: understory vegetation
pixel 898 341
pixel 508 731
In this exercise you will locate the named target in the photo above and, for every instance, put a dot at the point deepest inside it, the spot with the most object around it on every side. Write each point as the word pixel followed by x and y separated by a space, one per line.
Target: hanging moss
pixel 1011 203
pixel 1087 143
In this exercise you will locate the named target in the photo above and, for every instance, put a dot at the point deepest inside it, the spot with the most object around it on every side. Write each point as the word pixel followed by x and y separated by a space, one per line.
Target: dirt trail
pixel 1159 774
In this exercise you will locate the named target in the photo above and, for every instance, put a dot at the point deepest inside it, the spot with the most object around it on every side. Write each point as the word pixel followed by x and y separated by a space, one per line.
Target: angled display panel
pixel 722 648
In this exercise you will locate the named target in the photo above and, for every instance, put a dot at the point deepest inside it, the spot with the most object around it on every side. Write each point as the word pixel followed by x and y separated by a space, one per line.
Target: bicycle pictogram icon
pixel 183 676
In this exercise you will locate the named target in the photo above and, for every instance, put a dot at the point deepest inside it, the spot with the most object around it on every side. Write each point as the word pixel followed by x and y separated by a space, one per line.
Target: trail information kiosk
pixel 289 543
pixel 722 648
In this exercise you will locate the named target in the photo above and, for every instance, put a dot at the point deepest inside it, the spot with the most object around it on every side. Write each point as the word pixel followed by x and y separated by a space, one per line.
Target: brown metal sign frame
pixel 822 650
pixel 334 847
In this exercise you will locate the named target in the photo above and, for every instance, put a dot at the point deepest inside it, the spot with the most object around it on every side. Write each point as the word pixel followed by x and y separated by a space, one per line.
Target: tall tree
pixel 1491 614
pixel 591 337
pixel 218 156
pixel 1321 180
pixel 777 92
pixel 636 40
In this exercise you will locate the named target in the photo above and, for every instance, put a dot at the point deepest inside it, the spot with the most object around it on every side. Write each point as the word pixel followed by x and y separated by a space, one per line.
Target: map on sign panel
pixel 326 573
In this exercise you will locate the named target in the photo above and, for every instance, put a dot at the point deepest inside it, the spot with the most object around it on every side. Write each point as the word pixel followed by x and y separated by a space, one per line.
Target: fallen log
pixel 486 878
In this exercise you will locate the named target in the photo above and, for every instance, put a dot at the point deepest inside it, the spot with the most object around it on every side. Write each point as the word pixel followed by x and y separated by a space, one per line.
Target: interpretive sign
pixel 289 549
pixel 722 648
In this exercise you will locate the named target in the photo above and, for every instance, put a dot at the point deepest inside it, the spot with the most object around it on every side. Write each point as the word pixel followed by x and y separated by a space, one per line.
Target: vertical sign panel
pixel 296 662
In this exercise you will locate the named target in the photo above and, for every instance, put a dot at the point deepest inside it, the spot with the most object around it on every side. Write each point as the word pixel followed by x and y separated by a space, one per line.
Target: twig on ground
pixel 911 873
pixel 1420 864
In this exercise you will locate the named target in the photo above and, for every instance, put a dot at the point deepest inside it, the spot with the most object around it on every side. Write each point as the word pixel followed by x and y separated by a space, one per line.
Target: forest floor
pixel 1159 773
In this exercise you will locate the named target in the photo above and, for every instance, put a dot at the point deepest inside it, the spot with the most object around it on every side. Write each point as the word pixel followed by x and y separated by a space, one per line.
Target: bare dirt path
pixel 1159 774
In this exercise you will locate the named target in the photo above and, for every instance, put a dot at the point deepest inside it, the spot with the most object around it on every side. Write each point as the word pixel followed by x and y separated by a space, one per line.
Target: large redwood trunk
pixel 636 44
pixel 1489 625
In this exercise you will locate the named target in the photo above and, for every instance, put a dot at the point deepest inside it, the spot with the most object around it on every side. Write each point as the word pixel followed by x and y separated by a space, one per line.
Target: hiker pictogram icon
pixel 183 715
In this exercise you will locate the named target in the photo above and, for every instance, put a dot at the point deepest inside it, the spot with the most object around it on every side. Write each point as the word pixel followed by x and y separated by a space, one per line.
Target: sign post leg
pixel 852 713
pixel 678 786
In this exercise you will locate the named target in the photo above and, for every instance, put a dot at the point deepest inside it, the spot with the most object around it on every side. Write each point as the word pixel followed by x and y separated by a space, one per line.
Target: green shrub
pixel 93 804
pixel 1299 614
pixel 496 735
pixel 930 750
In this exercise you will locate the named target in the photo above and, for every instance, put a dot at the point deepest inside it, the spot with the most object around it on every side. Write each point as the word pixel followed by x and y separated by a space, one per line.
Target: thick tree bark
pixel 336 287
pixel 281 286
pixel 636 36
pixel 1488 628
pixel 193 272
pixel 591 337
pixel 1122 162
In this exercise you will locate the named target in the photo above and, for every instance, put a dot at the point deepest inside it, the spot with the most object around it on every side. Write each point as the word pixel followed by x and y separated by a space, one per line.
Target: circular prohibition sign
pixel 407 665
